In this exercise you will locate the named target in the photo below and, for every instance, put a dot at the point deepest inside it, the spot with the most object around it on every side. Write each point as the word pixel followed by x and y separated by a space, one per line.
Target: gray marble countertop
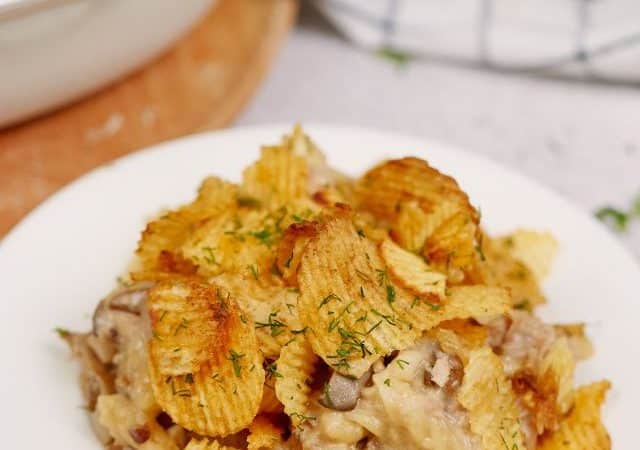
pixel 581 139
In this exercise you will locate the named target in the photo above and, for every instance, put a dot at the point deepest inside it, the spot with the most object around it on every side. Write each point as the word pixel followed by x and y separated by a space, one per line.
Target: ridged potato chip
pixel 412 272
pixel 263 434
pixel 354 311
pixel 449 230
pixel 206 444
pixel 271 309
pixel 536 250
pixel 347 301
pixel 222 394
pixel 557 369
pixel 383 188
pixel 290 248
pixel 412 226
pixel 487 394
pixel 582 428
pixel 459 337
pixel 579 343
pixel 453 245
pixel 160 239
pixel 294 368
pixel 278 177
pixel 499 268
pixel 547 393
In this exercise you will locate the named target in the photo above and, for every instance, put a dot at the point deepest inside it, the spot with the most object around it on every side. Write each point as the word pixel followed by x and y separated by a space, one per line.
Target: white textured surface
pixel 583 140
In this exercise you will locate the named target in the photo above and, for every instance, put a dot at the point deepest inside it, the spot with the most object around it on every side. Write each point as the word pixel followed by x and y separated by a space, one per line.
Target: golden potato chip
pixel 354 311
pixel 459 337
pixel 461 302
pixel 536 250
pixel 222 394
pixel 293 370
pixel 499 268
pixel 164 235
pixel 412 272
pixel 578 341
pixel 487 394
pixel 412 226
pixel 206 444
pixel 453 245
pixel 263 434
pixel 557 369
pixel 290 248
pixel 272 310
pixel 582 428
pixel 383 188
pixel 278 177
pixel 189 322
pixel 347 301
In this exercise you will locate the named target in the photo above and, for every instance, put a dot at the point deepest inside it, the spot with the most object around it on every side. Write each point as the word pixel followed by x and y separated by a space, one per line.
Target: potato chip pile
pixel 298 269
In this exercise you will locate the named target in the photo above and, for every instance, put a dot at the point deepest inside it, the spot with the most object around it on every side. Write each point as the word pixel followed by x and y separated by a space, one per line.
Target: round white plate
pixel 66 255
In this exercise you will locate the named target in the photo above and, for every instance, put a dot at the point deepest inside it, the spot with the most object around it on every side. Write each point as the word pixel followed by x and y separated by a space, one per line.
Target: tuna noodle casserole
pixel 303 309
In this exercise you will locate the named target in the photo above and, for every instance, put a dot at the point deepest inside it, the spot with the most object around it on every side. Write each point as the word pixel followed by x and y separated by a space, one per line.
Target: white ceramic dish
pixel 55 51
pixel 66 255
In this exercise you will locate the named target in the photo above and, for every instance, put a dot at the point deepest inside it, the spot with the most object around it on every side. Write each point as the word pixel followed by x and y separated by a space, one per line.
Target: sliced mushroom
pixel 95 377
pixel 342 393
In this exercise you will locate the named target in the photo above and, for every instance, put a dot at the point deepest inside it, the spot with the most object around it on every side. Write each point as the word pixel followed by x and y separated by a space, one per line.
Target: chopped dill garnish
pixel 618 218
pixel 276 327
pixel 248 202
pixel 328 298
pixel 272 371
pixel 254 271
pixel 387 381
pixel 391 294
pixel 397 57
pixel 62 332
pixel 209 256
pixel 402 363
pixel 235 357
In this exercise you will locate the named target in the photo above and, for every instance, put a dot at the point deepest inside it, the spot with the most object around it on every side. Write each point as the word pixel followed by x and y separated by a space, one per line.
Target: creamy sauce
pixel 398 410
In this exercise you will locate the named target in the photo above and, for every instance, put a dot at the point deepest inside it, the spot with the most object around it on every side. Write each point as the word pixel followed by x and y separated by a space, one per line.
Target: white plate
pixel 64 256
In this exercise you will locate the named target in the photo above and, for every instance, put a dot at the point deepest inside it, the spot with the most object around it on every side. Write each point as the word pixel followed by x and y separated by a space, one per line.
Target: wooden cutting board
pixel 203 82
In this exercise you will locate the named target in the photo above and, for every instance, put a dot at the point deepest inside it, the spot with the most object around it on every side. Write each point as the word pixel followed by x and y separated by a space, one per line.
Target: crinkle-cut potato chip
pixel 580 345
pixel 535 249
pixel 412 272
pixel 347 300
pixel 452 246
pixel 412 226
pixel 294 240
pixel 459 337
pixel 117 414
pixel 278 177
pixel 222 395
pixel 582 429
pixel 263 434
pixel 271 310
pixel 354 311
pixel 547 393
pixel 294 368
pixel 164 235
pixel 499 268
pixel 243 240
pixel 487 394
pixel 557 369
pixel 206 444
pixel 382 189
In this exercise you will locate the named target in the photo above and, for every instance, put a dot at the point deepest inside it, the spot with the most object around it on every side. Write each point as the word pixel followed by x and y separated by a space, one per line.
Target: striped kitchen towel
pixel 577 38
